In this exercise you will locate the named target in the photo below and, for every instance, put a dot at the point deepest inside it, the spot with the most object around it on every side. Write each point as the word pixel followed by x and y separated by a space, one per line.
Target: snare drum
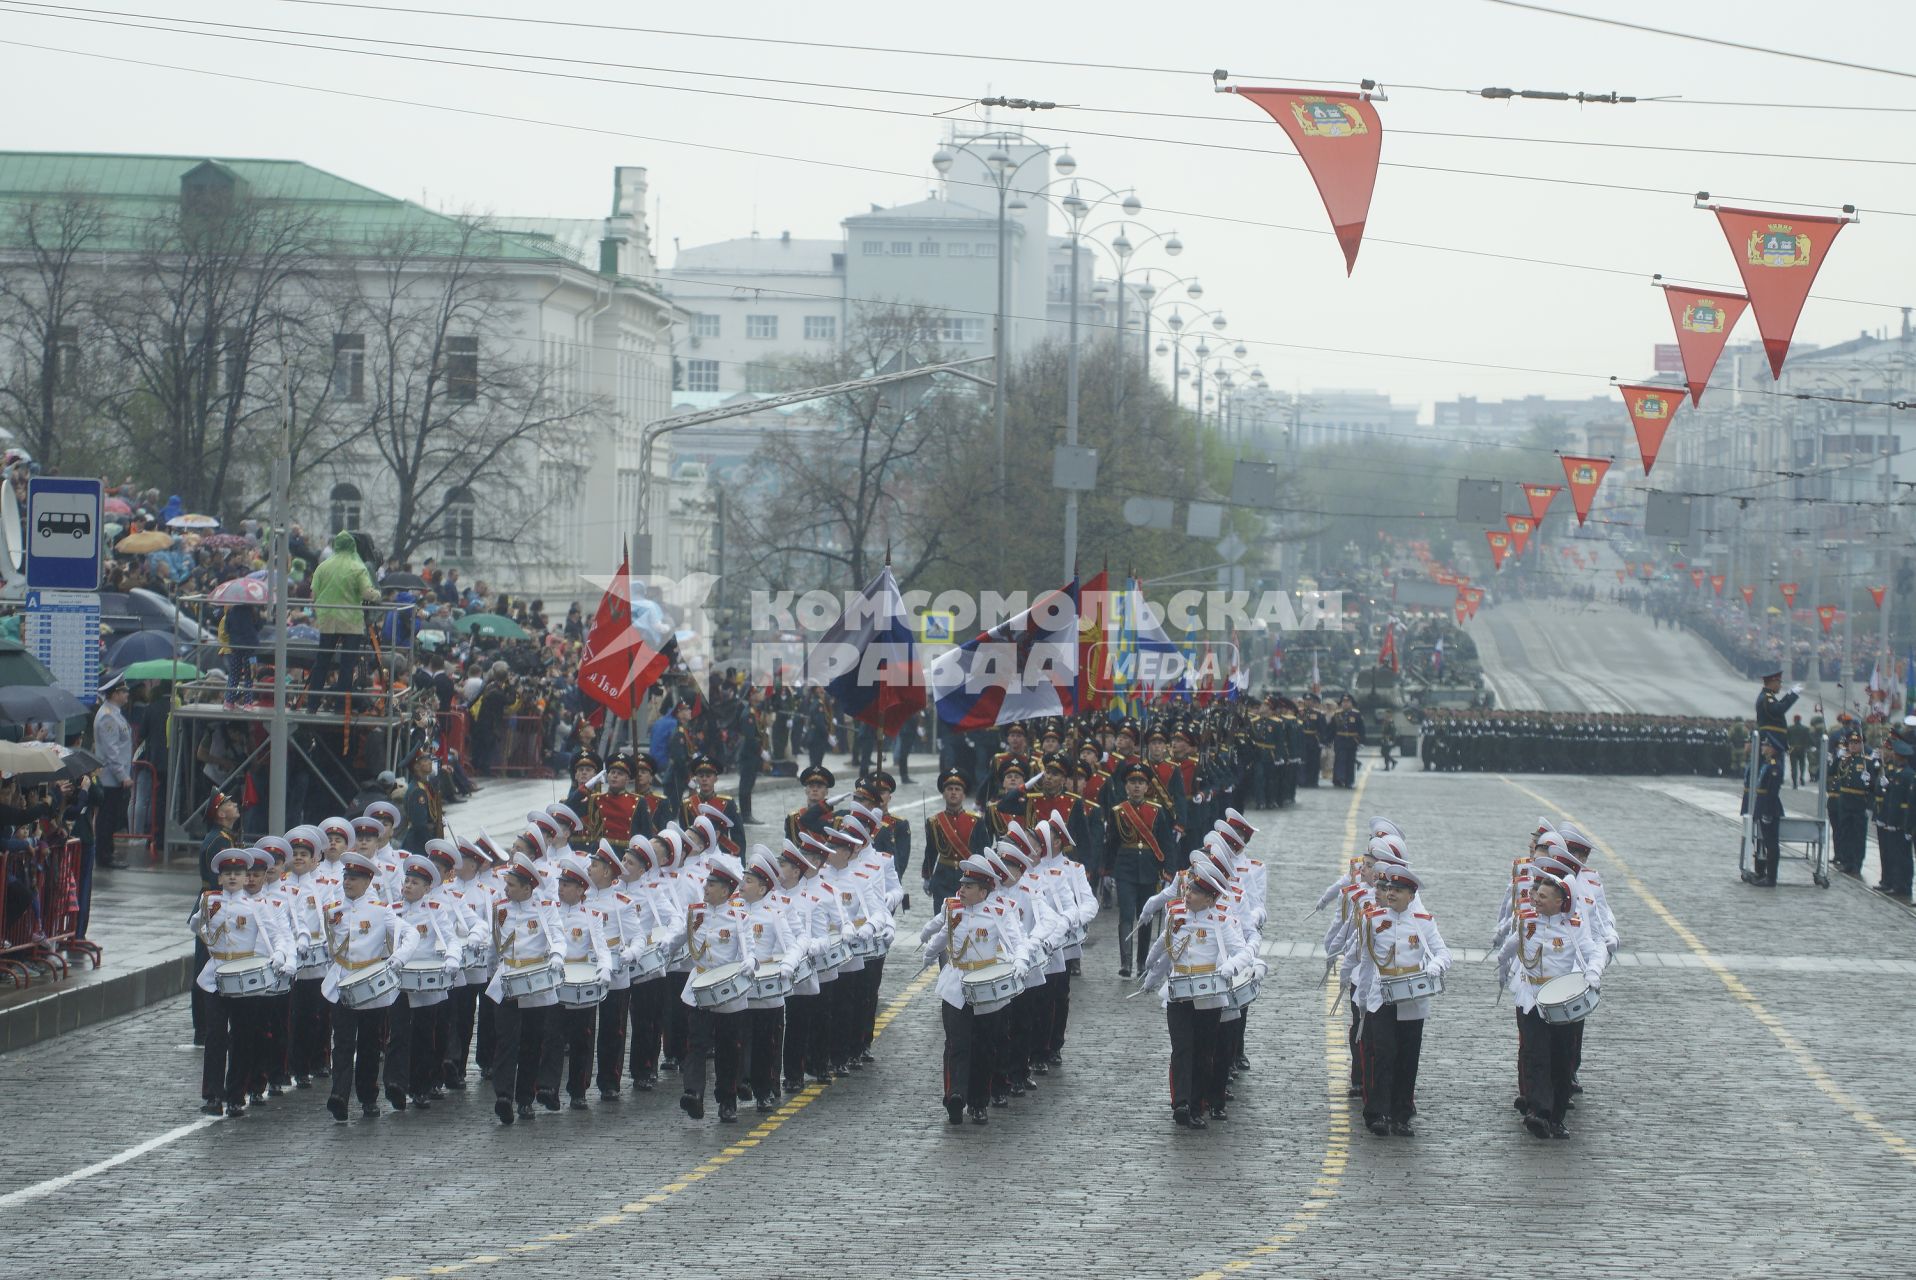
pixel 362 988
pixel 478 964
pixel 864 948
pixel 533 980
pixel 424 975
pixel 1074 936
pixel 313 960
pixel 772 983
pixel 1244 988
pixel 724 985
pixel 581 986
pixel 834 954
pixel 1569 998
pixel 646 964
pixel 252 976
pixel 801 967
pixel 1411 986
pixel 992 987
pixel 1196 986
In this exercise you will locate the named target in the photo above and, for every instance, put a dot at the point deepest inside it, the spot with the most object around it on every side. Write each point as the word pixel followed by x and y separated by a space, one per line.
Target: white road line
pixel 26 1194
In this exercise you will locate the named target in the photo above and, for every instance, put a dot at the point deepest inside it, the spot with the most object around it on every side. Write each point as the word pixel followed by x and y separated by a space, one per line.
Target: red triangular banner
pixel 1539 496
pixel 1789 593
pixel 1703 322
pixel 1520 530
pixel 1696 579
pixel 1651 409
pixel 1463 610
pixel 1473 596
pixel 1339 136
pixel 1584 475
pixel 1499 547
pixel 1826 614
pixel 1778 255
pixel 1876 594
pixel 1716 582
pixel 1749 596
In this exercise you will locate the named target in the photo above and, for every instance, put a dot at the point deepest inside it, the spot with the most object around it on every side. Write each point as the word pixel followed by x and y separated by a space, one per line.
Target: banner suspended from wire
pixel 1584 475
pixel 1778 256
pixel 1703 322
pixel 1340 139
pixel 1651 409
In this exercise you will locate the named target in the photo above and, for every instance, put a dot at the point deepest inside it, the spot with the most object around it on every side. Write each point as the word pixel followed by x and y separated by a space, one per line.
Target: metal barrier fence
pixel 451 728
pixel 40 911
pixel 524 755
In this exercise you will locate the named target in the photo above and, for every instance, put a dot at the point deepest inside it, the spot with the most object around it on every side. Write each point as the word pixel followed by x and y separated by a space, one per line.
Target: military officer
pixel 1140 855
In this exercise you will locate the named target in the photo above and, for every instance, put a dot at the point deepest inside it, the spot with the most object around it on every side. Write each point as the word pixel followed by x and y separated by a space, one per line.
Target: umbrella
pixel 17 666
pixel 117 507
pixel 70 764
pixel 48 703
pixel 162 669
pixel 490 624
pixel 29 757
pixel 242 591
pixel 404 582
pixel 193 522
pixel 225 542
pixel 147 540
pixel 138 647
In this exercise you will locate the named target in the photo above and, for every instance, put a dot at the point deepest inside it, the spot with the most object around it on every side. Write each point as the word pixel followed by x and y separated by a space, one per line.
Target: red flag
pixel 1520 529
pixel 1826 614
pixel 1499 547
pixel 1387 656
pixel 1473 596
pixel 1696 578
pixel 1539 496
pixel 1703 322
pixel 1749 596
pixel 1094 614
pixel 1789 593
pixel 1651 409
pixel 1716 583
pixel 1339 137
pixel 1778 255
pixel 1876 594
pixel 1463 609
pixel 619 664
pixel 1584 475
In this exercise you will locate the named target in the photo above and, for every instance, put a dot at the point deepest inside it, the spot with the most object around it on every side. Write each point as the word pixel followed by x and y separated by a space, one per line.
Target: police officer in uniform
pixel 1771 710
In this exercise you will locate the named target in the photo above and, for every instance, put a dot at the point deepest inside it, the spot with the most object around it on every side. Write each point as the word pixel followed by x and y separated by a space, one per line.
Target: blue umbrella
pixel 139 647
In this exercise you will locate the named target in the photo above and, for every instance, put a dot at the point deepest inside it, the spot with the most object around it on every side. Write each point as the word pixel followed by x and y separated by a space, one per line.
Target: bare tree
pixel 451 402
pixel 44 319
pixel 834 497
pixel 216 282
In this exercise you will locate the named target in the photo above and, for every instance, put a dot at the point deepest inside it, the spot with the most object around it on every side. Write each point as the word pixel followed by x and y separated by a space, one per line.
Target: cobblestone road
pixel 1747 1115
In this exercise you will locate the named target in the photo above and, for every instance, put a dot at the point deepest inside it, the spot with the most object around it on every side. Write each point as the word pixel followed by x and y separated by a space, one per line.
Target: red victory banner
pixel 1716 582
pixel 1749 596
pixel 1584 475
pixel 1339 136
pixel 1651 409
pixel 1463 609
pixel 1499 546
pixel 1826 614
pixel 1696 579
pixel 1789 593
pixel 1778 255
pixel 1472 597
pixel 1521 528
pixel 1876 594
pixel 1703 323
pixel 1539 496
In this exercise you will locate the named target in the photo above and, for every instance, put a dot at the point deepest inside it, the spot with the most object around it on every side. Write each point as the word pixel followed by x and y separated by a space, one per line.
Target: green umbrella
pixel 490 624
pixel 17 666
pixel 161 669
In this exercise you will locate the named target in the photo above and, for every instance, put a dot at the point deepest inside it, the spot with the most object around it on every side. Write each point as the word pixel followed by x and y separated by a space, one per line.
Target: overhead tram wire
pixel 1701 39
pixel 71 14
pixel 86 13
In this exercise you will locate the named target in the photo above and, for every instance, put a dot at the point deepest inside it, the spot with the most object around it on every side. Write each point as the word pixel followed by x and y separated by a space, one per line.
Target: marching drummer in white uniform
pixel 362 935
pixel 304 892
pixel 716 937
pixel 624 935
pixel 1069 892
pixel 1197 938
pixel 815 917
pixel 569 1029
pixel 525 936
pixel 412 1051
pixel 1392 940
pixel 1549 940
pixel 235 931
pixel 972 931
pixel 774 948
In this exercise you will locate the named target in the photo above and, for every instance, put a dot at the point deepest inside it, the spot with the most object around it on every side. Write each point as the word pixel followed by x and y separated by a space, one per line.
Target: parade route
pixel 1715 1082
pixel 1561 655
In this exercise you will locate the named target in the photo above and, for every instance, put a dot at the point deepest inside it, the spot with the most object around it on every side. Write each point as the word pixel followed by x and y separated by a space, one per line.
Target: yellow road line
pixel 1799 1051
pixel 636 1209
pixel 1337 1138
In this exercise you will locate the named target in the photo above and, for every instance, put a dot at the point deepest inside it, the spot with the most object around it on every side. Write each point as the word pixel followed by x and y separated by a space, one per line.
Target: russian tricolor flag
pixel 1021 669
pixel 867 660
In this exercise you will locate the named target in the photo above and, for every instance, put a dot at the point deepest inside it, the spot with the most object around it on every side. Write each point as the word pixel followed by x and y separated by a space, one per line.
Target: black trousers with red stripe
pixel 1193 1034
pixel 969 1043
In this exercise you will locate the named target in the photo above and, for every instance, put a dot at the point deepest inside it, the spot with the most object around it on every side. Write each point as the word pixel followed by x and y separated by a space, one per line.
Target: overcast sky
pixel 1277 286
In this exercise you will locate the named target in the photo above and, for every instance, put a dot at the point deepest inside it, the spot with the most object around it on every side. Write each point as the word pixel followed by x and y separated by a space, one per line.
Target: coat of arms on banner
pixel 1322 118
pixel 1702 317
pixel 1779 245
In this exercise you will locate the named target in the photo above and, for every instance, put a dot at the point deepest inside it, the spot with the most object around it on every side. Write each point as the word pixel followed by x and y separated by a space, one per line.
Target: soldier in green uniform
pixel 422 807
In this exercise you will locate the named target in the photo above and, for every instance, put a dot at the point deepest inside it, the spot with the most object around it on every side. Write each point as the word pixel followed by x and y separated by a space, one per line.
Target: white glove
pixel 1796 688
pixel 283 967
pixel 605 974
pixel 556 964
pixel 865 931
pixel 451 966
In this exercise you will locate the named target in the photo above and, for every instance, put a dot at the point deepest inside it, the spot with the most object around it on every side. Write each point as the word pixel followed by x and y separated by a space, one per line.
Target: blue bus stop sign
pixel 64 533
